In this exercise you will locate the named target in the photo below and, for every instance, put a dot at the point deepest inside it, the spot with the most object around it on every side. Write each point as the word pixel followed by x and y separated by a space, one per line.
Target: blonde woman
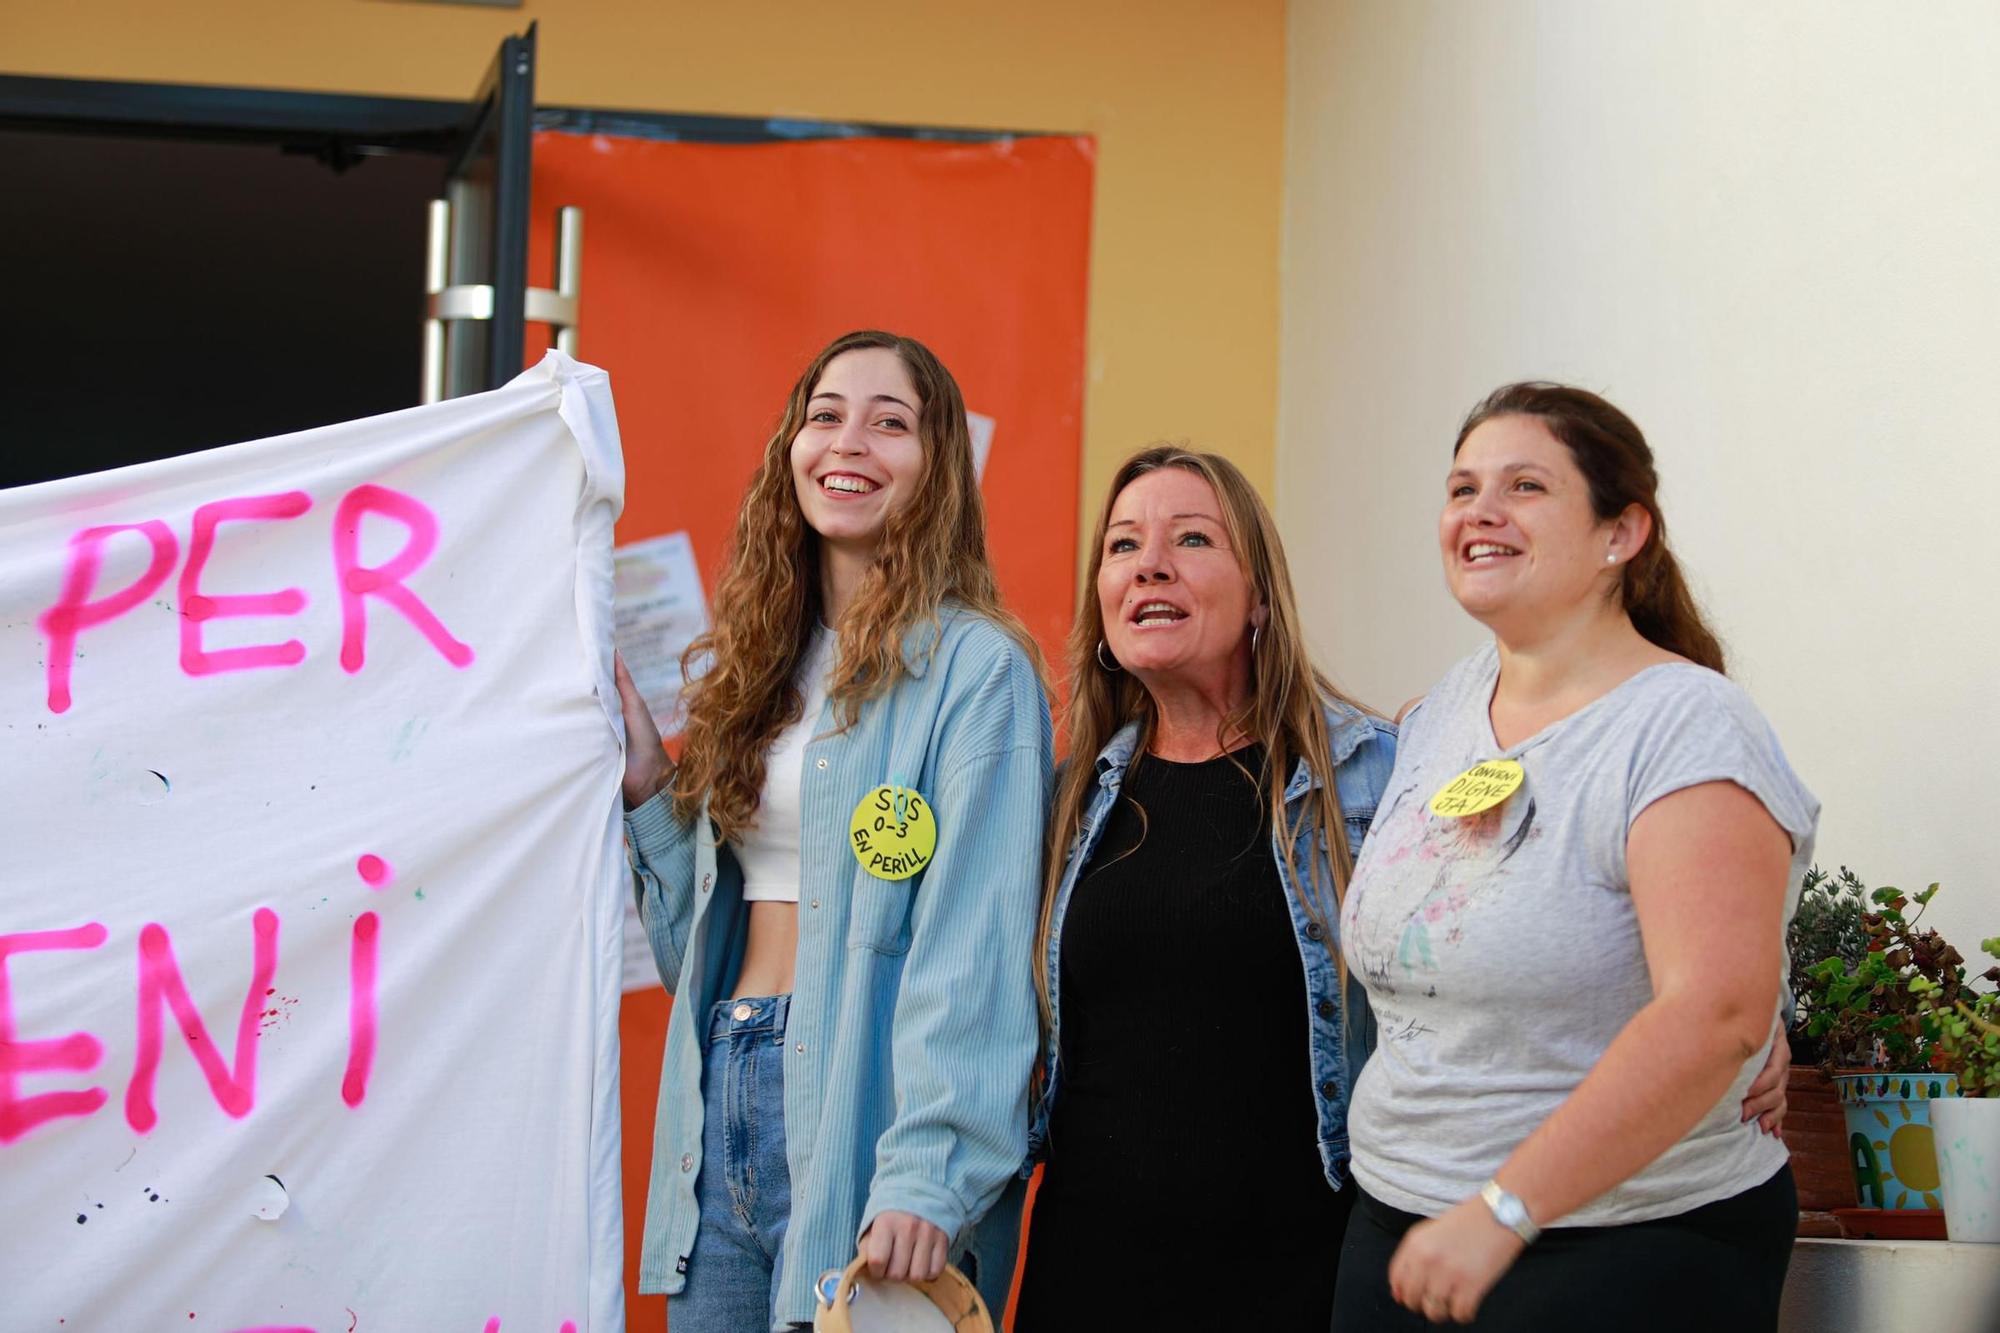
pixel 1199 1048
pixel 839 881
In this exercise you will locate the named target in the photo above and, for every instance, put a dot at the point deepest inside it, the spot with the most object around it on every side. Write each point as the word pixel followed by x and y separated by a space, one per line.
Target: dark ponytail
pixel 1618 465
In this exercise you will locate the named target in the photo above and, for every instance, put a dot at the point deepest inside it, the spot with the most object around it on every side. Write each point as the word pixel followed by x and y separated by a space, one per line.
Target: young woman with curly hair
pixel 854 1020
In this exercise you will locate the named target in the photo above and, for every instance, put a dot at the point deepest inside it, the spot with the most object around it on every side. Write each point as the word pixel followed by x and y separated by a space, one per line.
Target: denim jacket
pixel 912 1028
pixel 1343 1033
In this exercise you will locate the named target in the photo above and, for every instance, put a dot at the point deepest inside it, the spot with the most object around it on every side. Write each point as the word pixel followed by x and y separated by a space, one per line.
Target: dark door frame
pixel 341 126
pixel 343 129
pixel 338 128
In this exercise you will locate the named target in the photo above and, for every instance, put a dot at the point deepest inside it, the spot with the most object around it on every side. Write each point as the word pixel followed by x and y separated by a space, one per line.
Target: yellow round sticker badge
pixel 1478 789
pixel 894 832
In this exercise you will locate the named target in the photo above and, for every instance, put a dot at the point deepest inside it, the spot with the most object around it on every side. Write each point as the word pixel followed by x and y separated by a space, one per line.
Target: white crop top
pixel 769 852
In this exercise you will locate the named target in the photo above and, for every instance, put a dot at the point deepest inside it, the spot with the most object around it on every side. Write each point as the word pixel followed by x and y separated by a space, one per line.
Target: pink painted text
pixel 81 606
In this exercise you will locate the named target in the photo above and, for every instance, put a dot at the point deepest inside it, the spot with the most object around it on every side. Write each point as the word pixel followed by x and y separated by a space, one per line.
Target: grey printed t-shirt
pixel 1501 951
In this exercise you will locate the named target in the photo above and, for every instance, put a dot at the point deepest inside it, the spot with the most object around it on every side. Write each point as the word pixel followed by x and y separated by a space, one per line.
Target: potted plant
pixel 1968 1126
pixel 1879 1042
pixel 1827 924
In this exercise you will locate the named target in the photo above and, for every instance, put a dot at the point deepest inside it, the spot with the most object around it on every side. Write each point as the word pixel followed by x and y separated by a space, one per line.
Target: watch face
pixel 1509 1211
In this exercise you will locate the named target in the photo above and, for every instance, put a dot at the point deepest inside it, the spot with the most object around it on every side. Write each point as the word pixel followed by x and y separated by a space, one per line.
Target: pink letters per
pixel 78 1051
pixel 357 581
pixel 197 607
pixel 74 613
pixel 160 976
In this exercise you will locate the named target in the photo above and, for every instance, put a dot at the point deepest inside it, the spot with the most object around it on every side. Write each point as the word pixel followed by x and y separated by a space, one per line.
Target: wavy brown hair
pixel 1285 708
pixel 932 549
pixel 1617 464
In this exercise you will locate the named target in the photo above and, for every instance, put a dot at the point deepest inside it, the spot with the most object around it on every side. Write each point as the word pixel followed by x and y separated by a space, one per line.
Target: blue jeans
pixel 745 1188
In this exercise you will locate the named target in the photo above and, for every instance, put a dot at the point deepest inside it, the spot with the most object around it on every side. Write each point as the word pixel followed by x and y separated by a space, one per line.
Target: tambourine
pixel 852 1302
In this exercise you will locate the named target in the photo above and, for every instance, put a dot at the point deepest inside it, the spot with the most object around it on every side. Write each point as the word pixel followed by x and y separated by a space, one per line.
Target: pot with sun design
pixel 1890 1143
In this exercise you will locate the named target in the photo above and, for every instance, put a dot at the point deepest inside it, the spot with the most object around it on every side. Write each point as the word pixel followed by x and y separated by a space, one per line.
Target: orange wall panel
pixel 713 273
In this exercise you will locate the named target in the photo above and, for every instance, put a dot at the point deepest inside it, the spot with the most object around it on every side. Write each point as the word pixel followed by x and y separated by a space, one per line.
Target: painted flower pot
pixel 1890 1142
pixel 1968 1150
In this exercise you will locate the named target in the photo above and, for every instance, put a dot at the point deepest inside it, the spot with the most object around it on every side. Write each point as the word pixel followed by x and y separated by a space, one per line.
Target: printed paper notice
pixel 981 427
pixel 660 609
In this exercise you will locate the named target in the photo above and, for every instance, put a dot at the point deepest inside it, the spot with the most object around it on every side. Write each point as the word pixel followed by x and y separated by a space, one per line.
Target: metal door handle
pixel 560 307
pixel 443 303
pixel 437 254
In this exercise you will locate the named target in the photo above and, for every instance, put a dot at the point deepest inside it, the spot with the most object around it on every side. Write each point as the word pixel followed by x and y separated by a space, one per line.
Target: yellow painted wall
pixel 1186 98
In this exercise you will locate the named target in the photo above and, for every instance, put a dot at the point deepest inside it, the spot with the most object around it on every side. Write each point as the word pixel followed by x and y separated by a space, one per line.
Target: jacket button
pixel 1315 931
pixel 820 764
pixel 800 1048
pixel 1328 1089
pixel 1324 1008
pixel 687 1161
pixel 704 882
pixel 815 904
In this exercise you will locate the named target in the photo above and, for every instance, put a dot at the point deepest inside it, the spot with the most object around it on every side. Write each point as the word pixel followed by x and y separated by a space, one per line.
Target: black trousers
pixel 1221 1269
pixel 1717 1269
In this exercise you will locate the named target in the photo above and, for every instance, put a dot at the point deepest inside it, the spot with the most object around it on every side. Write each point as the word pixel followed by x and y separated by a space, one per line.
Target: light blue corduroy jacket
pixel 912 1027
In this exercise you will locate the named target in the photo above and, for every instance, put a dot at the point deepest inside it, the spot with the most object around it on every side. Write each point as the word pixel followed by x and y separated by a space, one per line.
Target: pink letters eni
pixel 162 991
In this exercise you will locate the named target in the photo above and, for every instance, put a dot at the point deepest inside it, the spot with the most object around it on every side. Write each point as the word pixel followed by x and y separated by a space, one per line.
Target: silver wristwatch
pixel 1509 1212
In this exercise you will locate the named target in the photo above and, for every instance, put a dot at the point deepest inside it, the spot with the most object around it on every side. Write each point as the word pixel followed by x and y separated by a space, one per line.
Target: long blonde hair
pixel 933 548
pixel 1285 709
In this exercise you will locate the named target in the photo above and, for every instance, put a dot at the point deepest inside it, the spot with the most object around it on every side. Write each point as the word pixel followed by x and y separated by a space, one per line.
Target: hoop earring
pixel 1255 630
pixel 1112 665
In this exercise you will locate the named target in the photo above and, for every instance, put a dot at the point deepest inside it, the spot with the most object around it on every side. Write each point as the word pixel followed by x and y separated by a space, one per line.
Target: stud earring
pixel 1610 557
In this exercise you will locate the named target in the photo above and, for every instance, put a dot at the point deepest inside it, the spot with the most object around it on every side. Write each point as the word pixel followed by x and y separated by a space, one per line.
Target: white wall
pixel 1770 232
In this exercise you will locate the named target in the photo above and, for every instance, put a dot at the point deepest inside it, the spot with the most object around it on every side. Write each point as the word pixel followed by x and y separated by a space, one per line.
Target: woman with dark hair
pixel 839 880
pixel 1569 918
pixel 1200 1047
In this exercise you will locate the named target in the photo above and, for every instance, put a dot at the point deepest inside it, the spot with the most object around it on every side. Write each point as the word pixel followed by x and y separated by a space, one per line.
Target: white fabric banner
pixel 310 908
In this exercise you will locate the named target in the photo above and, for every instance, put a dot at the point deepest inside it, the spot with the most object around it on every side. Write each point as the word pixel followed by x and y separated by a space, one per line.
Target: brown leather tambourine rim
pixel 955 1297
